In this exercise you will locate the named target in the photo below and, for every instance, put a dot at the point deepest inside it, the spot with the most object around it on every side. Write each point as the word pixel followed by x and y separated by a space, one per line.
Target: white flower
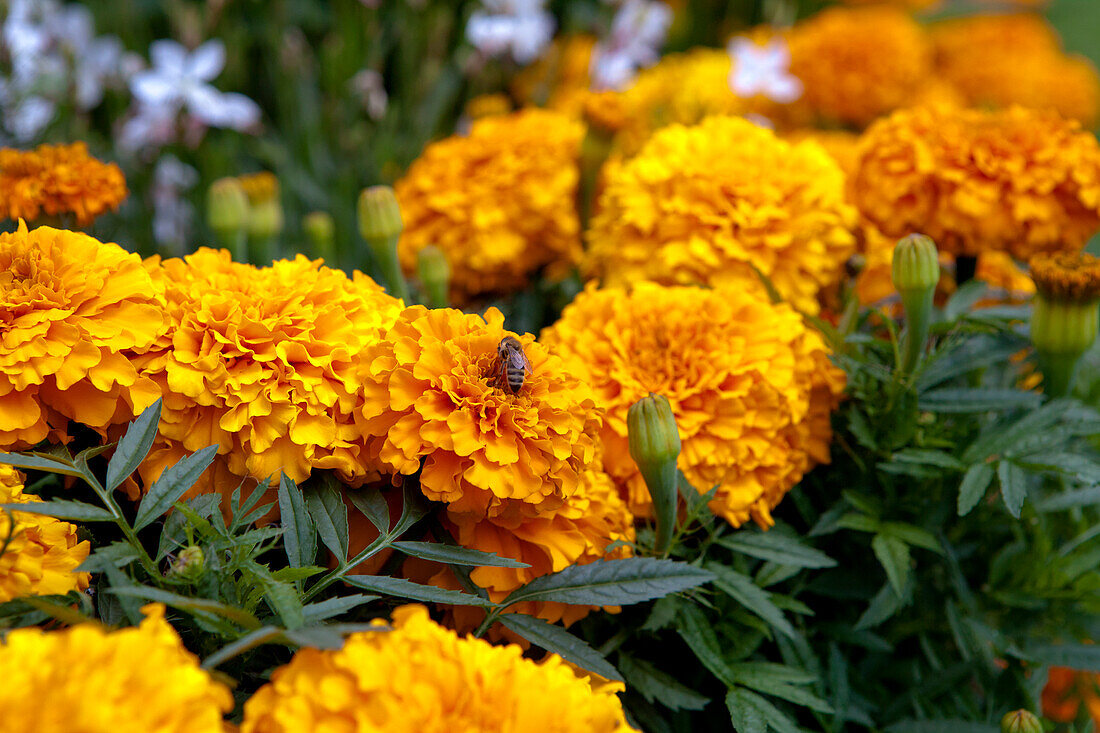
pixel 637 33
pixel 368 86
pixel 522 28
pixel 763 70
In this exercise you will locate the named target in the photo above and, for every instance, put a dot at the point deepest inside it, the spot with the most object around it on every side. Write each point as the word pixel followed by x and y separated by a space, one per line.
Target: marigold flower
pixel 750 385
pixel 133 680
pixel 262 362
pixel 713 203
pixel 42 553
pixel 1017 180
pixel 58 179
pixel 428 394
pixel 1064 692
pixel 71 308
pixel 422 677
pixel 499 202
pixel 1067 277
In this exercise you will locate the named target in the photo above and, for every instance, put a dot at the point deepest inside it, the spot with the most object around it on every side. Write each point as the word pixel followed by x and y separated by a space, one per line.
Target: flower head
pixel 499 202
pixel 714 204
pixel 42 554
pixel 763 70
pixel 72 309
pixel 750 385
pixel 1067 277
pixel 1017 180
pixel 133 680
pixel 422 677
pixel 58 179
pixel 1066 689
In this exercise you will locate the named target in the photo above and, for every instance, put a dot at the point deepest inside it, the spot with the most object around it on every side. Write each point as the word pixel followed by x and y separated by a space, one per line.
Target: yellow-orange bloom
pixel 750 385
pixel 1067 277
pixel 58 179
pixel 428 394
pixel 42 553
pixel 262 363
pixel 1064 692
pixel 1017 180
pixel 71 308
pixel 710 203
pixel 498 202
pixel 86 678
pixel 424 678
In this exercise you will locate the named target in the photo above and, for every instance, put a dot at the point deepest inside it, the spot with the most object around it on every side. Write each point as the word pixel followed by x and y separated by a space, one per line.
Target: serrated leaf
pixel 937 458
pixel 612 582
pixel 753 705
pixel 780 681
pixel 76 511
pixel 232 613
pixel 973 487
pixel 1070 500
pixel 1013 486
pixel 912 535
pixel 777 548
pixel 893 555
pixel 315 637
pixel 407 589
pixel 557 640
pixel 978 399
pixel 754 598
pixel 117 555
pixel 1006 435
pixel 39 463
pixel 134 446
pixel 858 522
pixel 331 607
pixel 457 555
pixel 1083 657
pixel 373 506
pixel 695 629
pixel 173 484
pixel 746 716
pixel 330 518
pixel 654 685
pixel 299 537
pixel 284 600
pixel 884 605
pixel 964 298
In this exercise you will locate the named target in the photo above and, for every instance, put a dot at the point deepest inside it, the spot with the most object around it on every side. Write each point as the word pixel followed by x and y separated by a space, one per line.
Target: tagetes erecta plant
pixel 422 677
pixel 58 179
pixel 1016 180
pixel 43 553
pixel 717 203
pixel 71 310
pixel 750 385
pixel 499 202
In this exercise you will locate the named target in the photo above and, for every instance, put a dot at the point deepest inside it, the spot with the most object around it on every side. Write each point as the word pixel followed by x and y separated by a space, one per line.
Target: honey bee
pixel 512 365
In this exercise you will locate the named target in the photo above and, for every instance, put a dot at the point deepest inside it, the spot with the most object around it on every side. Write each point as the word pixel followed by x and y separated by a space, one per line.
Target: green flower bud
pixel 916 270
pixel 265 220
pixel 380 225
pixel 1021 721
pixel 435 275
pixel 1064 316
pixel 654 442
pixel 321 230
pixel 189 564
pixel 226 206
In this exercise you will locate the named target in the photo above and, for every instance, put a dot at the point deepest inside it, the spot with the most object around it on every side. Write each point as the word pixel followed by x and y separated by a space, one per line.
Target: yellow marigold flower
pixel 263 363
pixel 428 393
pixel 488 105
pixel 841 145
pixel 134 680
pixel 498 202
pixel 422 677
pixel 857 64
pixel 707 204
pixel 750 385
pixel 1017 180
pixel 1067 277
pixel 42 553
pixel 260 187
pixel 58 179
pixel 71 308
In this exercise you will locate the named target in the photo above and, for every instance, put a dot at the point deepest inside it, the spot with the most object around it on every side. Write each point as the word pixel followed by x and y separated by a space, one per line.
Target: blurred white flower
pixel 367 85
pixel 763 70
pixel 522 28
pixel 173 215
pixel 637 33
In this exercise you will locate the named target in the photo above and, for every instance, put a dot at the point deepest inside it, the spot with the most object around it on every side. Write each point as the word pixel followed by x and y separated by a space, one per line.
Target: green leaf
pixel 746 716
pixel 284 600
pixel 740 701
pixel 929 457
pixel 315 637
pixel 1007 434
pixel 38 462
pixel 859 522
pixel 654 685
pixel 76 511
pixel 1013 486
pixel 457 555
pixel 63 612
pixel 117 555
pixel 330 517
pixel 406 589
pixel 1070 500
pixel 1083 657
pixel 754 598
pixel 251 640
pixel 777 548
pixel 299 537
pixel 557 640
pixel 941 726
pixel 974 484
pixel 963 299
pixel 134 446
pixel 201 605
pixel 912 535
pixel 893 554
pixel 884 605
pixel 373 506
pixel 978 399
pixel 173 484
pixel 780 681
pixel 331 607
pixel 695 629
pixel 612 582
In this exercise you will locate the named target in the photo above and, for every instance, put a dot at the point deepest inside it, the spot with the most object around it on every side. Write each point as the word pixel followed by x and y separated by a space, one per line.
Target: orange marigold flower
pixel 71 308
pixel 499 202
pixel 262 362
pixel 1067 277
pixel 58 179
pixel 715 203
pixel 750 385
pixel 86 678
pixel 428 393
pixel 1064 692
pixel 1017 180
pixel 42 553
pixel 422 677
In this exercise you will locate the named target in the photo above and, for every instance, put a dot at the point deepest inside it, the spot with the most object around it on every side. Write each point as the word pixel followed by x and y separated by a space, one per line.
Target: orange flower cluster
pixel 58 179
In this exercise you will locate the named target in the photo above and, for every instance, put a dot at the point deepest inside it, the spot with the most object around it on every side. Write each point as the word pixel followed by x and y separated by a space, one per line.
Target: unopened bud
pixel 654 442
pixel 435 275
pixel 916 265
pixel 226 206
pixel 265 219
pixel 1021 721
pixel 380 225
pixel 321 230
pixel 189 564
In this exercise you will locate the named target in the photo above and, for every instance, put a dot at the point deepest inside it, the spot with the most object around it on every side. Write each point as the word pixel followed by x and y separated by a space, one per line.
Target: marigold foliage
pixel 427 394
pixel 710 203
pixel 42 553
pixel 499 202
pixel 750 385
pixel 424 678
pixel 1017 180
pixel 58 179
pixel 84 678
pixel 262 362
pixel 71 308
pixel 1067 277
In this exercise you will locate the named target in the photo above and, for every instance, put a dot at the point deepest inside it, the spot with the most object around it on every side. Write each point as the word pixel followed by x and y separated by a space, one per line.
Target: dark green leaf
pixel 134 446
pixel 893 554
pixel 1070 499
pixel 964 299
pixel 406 589
pixel 332 607
pixel 612 582
pixel 930 457
pixel 251 640
pixel 884 605
pixel 745 714
pixel 912 535
pixel 236 615
pixel 1007 434
pixel 373 506
pixel 978 399
pixel 457 555
pixel 750 704
pixel 778 548
pixel 941 726
pixel 973 486
pixel 557 640
pixel 283 599
pixel 172 484
pixel 654 685
pixel 299 537
pixel 40 463
pixel 757 600
pixel 330 517
pixel 1013 486
pixel 1083 657
pixel 116 554
pixel 781 682
pixel 695 629
pixel 315 637
pixel 76 511
pixel 859 522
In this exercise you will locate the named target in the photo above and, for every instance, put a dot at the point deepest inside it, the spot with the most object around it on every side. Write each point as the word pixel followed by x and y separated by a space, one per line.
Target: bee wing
pixel 519 360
